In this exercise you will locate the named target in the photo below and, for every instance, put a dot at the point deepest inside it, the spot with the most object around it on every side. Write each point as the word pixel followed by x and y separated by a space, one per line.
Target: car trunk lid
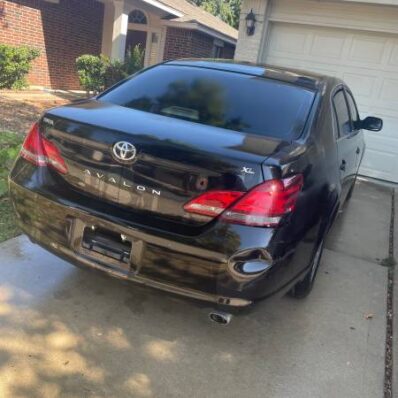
pixel 176 160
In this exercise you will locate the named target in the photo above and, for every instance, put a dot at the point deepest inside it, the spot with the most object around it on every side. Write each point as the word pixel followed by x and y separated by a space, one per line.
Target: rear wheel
pixel 303 288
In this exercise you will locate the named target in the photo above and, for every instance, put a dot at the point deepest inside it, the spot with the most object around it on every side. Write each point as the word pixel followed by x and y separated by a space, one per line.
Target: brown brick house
pixel 64 29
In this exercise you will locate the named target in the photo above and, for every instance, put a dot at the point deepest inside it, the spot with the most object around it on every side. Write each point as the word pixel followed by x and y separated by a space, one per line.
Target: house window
pixel 218 46
pixel 138 17
pixel 217 52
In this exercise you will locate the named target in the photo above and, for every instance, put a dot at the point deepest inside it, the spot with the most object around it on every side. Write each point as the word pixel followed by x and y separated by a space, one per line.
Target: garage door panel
pixel 389 131
pixel 379 164
pixel 322 70
pixel 368 62
pixel 287 43
pixel 367 49
pixel 389 91
pixel 327 44
pixel 381 142
pixel 291 62
pixel 361 84
pixel 393 61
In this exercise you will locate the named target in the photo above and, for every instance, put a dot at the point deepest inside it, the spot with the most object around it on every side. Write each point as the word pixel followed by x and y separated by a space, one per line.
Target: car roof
pixel 310 80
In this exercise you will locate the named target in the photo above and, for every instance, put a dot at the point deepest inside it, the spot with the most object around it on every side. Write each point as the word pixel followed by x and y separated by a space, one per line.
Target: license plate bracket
pixel 107 245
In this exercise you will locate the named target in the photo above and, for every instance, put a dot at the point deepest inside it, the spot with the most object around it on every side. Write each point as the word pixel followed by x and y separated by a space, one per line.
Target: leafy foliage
pixel 114 72
pixel 134 60
pixel 15 63
pixel 8 227
pixel 97 73
pixel 227 10
pixel 91 69
pixel 10 145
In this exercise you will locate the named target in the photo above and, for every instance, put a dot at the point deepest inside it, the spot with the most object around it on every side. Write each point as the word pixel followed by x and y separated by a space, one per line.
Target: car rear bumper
pixel 81 261
pixel 181 266
pixel 57 229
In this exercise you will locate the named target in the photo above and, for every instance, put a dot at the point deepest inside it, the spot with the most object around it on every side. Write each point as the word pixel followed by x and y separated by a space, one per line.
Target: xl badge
pixel 247 170
pixel 124 151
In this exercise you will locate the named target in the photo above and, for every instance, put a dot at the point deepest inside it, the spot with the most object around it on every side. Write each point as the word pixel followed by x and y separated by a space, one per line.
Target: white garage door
pixel 366 61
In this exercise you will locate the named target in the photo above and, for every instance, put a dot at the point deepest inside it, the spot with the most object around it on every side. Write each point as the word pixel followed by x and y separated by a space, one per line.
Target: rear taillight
pixel 264 205
pixel 212 203
pixel 42 152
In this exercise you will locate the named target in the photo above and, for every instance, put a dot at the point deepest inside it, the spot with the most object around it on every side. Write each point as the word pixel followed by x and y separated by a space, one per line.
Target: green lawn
pixel 8 228
pixel 9 147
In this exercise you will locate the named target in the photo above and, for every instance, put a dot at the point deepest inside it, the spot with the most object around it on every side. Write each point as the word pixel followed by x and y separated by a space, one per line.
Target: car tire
pixel 303 288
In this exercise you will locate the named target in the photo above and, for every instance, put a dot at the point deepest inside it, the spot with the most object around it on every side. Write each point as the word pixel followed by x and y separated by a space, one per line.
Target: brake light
pixel 264 205
pixel 212 203
pixel 42 152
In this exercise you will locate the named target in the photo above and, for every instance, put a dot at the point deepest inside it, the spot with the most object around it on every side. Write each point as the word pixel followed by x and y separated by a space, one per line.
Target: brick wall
pixel 183 43
pixel 60 31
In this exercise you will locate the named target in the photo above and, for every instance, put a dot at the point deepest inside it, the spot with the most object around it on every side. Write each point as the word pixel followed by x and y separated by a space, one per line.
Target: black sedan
pixel 213 180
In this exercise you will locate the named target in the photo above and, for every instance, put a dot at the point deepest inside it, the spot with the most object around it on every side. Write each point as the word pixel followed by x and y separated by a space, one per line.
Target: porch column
pixel 119 33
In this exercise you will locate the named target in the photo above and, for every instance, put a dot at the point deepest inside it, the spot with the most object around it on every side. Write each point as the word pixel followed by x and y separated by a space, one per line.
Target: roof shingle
pixel 196 14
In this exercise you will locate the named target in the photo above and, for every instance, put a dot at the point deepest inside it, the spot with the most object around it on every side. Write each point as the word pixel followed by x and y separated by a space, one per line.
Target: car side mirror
pixel 372 123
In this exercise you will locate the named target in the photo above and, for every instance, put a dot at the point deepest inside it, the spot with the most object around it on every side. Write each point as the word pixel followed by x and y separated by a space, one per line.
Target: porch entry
pixel 141 33
pixel 134 38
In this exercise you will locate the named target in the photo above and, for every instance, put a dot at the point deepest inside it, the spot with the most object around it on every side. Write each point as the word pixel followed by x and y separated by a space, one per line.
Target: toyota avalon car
pixel 213 180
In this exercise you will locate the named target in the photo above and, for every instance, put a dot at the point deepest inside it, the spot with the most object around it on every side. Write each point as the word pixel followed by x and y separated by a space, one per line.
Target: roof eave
pixel 202 28
pixel 154 3
pixel 163 7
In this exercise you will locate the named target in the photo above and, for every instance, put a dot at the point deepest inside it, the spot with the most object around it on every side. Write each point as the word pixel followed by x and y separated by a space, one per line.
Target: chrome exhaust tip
pixel 222 318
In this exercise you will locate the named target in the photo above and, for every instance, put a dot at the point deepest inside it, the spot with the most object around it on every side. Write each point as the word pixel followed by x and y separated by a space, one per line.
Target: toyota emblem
pixel 124 151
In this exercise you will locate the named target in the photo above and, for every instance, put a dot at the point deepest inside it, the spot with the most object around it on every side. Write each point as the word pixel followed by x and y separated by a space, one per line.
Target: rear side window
pixel 353 110
pixel 342 113
pixel 216 98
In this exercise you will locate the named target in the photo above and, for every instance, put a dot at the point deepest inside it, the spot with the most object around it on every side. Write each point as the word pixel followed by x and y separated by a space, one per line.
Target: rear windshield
pixel 217 98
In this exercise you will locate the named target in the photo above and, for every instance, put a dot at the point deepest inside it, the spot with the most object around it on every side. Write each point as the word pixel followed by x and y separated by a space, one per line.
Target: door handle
pixel 358 151
pixel 343 164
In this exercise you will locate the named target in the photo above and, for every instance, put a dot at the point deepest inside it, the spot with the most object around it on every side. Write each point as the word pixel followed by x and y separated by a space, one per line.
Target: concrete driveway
pixel 66 332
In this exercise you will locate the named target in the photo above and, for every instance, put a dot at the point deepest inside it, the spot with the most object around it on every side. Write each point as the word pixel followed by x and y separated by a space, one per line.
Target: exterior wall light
pixel 250 23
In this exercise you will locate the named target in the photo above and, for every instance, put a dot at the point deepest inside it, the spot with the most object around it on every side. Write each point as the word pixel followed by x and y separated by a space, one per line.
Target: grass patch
pixel 10 144
pixel 8 228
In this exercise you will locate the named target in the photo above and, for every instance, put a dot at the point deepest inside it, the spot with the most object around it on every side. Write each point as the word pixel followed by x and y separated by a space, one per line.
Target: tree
pixel 235 9
pixel 227 10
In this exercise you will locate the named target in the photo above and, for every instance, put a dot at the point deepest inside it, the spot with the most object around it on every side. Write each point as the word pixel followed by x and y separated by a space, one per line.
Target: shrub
pixel 114 72
pixel 134 60
pixel 90 69
pixel 99 72
pixel 15 63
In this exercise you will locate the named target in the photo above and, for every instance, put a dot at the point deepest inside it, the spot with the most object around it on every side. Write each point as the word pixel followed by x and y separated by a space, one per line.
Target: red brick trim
pixel 182 43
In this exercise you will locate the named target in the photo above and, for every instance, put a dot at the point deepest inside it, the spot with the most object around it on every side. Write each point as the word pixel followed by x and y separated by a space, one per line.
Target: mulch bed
pixel 18 116
pixel 19 110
